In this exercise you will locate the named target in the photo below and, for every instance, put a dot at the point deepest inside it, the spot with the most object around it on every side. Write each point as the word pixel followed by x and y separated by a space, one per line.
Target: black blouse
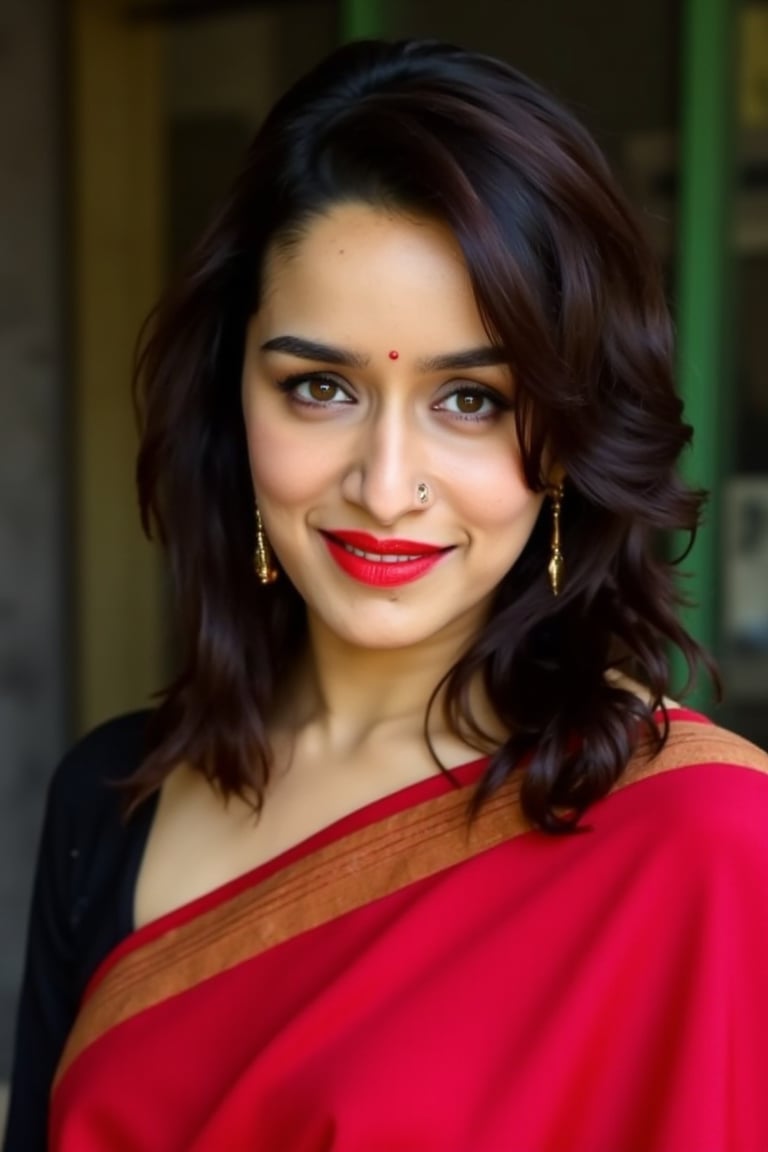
pixel 82 906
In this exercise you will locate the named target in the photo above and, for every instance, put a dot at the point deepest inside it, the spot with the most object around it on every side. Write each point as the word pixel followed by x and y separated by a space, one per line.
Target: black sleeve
pixel 81 908
pixel 48 1001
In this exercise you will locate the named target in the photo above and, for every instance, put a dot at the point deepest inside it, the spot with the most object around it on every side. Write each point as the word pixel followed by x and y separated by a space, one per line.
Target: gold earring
pixel 262 555
pixel 556 566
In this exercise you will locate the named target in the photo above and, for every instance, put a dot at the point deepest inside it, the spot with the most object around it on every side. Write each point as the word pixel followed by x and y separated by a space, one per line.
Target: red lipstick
pixel 382 563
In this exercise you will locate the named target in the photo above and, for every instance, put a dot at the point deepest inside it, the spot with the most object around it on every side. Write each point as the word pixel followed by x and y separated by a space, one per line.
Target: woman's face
pixel 368 373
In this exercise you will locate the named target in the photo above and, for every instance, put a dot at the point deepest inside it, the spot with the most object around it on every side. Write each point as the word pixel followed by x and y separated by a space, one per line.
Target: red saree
pixel 400 984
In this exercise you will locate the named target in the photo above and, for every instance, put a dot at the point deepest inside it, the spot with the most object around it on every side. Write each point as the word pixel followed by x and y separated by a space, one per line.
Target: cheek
pixel 507 526
pixel 491 492
pixel 286 468
pixel 510 521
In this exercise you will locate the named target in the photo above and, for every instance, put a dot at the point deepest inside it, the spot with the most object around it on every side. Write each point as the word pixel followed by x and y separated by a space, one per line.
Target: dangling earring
pixel 263 565
pixel 556 566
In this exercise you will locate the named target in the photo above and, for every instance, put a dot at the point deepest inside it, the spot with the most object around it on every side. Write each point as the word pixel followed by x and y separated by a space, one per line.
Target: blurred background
pixel 121 123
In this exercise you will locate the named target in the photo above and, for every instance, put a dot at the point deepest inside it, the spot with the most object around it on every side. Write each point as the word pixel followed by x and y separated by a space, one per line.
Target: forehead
pixel 343 228
pixel 359 265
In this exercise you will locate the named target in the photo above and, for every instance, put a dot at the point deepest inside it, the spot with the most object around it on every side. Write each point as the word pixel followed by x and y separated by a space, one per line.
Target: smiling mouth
pixel 388 551
pixel 382 562
pixel 377 557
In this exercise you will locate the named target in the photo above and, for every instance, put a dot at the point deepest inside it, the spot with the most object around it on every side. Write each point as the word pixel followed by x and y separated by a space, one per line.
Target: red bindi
pixel 393 355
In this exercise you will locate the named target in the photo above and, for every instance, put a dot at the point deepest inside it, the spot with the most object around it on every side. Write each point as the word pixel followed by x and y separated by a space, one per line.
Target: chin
pixel 383 637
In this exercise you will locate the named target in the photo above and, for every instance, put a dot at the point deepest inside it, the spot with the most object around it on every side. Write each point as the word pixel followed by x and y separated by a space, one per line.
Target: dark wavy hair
pixel 564 281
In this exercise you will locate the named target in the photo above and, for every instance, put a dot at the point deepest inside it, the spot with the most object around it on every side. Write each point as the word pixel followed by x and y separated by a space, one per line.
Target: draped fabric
pixel 404 981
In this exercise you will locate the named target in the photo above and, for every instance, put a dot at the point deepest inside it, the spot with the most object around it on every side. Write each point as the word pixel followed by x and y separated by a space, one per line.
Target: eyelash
pixel 291 384
pixel 500 403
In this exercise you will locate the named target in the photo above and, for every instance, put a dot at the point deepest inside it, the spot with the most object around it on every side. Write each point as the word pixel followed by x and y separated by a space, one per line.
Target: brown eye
pixel 322 390
pixel 316 391
pixel 473 403
pixel 469 402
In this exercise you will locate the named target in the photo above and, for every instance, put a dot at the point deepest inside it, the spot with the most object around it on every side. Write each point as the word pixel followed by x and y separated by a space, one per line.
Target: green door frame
pixel 704 279
pixel 361 19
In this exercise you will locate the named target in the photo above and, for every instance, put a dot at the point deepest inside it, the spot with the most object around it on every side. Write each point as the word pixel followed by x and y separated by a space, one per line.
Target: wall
pixel 34 533
pixel 117 224
pixel 615 64
pixel 221 77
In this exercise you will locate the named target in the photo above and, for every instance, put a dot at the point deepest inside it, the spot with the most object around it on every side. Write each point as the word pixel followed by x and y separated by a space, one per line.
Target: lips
pixel 382 562
pixel 376 549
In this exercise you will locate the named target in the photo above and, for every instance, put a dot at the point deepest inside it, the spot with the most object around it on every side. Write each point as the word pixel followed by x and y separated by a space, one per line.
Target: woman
pixel 418 853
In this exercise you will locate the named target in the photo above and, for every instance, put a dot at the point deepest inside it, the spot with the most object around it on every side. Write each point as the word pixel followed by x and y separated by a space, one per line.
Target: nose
pixel 388 466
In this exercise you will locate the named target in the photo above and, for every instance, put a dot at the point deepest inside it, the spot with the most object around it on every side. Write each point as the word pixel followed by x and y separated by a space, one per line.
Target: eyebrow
pixel 312 350
pixel 485 356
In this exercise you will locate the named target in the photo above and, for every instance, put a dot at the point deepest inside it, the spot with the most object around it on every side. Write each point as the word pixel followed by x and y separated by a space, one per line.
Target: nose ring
pixel 422 493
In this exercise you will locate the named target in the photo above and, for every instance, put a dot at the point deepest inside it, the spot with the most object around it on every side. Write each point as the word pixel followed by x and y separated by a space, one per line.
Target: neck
pixel 350 694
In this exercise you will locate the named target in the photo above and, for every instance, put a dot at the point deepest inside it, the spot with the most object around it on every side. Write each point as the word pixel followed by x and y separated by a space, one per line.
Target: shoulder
pixel 693 740
pixel 81 903
pixel 708 787
pixel 87 838
pixel 86 783
pixel 107 754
